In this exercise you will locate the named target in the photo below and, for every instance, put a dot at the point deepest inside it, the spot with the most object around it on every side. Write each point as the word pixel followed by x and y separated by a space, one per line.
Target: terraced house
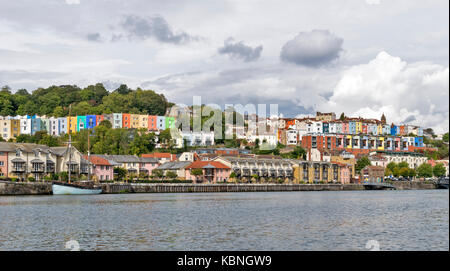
pixel 24 160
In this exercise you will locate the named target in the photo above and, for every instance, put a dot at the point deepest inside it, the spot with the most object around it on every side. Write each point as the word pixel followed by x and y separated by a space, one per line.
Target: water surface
pixel 344 220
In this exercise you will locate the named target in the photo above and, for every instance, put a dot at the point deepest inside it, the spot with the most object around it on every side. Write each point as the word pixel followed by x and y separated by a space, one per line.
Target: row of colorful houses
pixel 13 126
pixel 362 143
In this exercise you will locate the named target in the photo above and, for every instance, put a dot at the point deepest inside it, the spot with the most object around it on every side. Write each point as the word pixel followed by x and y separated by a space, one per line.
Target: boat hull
pixel 70 190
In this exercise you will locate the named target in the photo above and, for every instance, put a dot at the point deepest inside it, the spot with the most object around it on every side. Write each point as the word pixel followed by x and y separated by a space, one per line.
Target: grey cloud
pixel 94 37
pixel 410 119
pixel 156 27
pixel 315 48
pixel 238 50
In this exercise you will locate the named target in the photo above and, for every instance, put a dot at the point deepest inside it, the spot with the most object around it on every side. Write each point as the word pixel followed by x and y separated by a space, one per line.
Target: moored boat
pixel 74 189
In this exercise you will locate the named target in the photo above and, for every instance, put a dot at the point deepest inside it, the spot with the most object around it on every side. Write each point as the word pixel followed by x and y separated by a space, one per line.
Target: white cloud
pixel 400 90
pixel 72 2
pixel 373 2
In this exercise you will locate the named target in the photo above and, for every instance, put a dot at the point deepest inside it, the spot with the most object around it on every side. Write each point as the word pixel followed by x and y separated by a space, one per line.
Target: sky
pixel 361 57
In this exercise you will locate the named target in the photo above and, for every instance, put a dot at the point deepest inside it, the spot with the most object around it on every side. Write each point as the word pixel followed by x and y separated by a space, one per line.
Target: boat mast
pixel 70 142
pixel 89 156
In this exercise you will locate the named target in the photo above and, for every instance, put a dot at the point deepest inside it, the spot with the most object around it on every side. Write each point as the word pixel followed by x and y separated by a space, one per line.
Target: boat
pixel 442 183
pixel 79 188
pixel 60 188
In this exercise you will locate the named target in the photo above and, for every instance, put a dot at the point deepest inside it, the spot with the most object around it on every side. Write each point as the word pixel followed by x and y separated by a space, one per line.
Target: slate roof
pixel 174 165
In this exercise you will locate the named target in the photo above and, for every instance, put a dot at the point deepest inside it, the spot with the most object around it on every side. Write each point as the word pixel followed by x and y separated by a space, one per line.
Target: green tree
pixel 197 172
pixel 445 137
pixel 439 170
pixel 121 173
pixel 362 163
pixel 171 175
pixel 425 170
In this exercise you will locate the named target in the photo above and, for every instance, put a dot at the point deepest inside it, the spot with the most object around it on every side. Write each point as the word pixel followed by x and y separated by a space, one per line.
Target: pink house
pixel 102 169
pixel 345 173
pixel 4 164
pixel 345 128
pixel 148 164
pixel 213 171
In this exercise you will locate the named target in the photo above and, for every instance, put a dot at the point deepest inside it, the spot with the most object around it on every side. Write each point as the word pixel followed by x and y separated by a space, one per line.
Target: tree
pixel 439 170
pixel 445 137
pixel 342 117
pixel 197 172
pixel 171 175
pixel 403 165
pixel 121 173
pixel 425 170
pixel 362 163
pixel 158 173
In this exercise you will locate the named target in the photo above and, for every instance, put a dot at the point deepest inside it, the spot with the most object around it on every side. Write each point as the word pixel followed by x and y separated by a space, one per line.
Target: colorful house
pixel 35 124
pixel 62 122
pixel 152 123
pixel 71 124
pixel 99 119
pixel 91 121
pixel 161 122
pixel 134 121
pixel 81 123
pixel 126 120
pixel 170 122
pixel 117 120
pixel 143 122
pixel 213 172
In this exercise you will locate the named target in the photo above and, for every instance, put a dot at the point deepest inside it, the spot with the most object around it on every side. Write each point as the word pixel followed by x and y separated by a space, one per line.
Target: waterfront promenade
pixel 14 188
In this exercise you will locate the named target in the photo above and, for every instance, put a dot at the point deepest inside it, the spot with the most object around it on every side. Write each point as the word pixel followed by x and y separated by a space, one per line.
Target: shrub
pixel 31 179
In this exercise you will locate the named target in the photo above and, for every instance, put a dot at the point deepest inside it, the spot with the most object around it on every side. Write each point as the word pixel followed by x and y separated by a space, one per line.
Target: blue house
pixel 394 130
pixel 388 144
pixel 418 141
pixel 35 124
pixel 91 121
pixel 352 127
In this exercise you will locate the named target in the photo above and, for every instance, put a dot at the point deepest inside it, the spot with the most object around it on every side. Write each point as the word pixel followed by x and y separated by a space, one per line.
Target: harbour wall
pixel 17 188
pixel 210 188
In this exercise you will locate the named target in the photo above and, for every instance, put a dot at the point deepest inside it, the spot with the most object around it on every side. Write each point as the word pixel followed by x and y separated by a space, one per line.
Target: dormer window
pixel 17 152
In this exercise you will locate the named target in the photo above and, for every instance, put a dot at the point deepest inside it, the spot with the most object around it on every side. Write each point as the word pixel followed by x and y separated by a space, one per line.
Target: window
pixel 2 163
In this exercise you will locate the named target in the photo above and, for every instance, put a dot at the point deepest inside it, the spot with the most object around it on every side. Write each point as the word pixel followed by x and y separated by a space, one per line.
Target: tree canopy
pixel 93 99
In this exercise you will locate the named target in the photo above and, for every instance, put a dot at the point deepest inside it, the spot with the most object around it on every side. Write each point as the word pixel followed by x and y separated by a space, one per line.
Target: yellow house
pixel 380 146
pixel 71 125
pixel 134 121
pixel 380 129
pixel 5 129
pixel 348 142
pixel 316 172
pixel 358 127
pixel 15 128
pixel 143 121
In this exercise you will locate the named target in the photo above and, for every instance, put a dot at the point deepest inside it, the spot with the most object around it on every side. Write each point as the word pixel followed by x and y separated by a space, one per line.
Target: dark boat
pixel 442 183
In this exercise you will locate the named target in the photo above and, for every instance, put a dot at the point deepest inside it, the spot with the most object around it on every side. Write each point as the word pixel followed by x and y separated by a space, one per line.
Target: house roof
pixel 207 164
pixel 97 160
pixel 159 155
pixel 174 165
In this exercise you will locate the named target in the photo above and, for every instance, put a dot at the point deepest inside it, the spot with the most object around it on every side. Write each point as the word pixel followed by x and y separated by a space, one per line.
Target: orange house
pixel 126 120
pixel 99 118
pixel 152 123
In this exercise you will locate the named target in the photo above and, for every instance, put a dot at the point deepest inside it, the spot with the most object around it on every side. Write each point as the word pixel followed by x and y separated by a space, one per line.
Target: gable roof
pixel 207 164
pixel 98 161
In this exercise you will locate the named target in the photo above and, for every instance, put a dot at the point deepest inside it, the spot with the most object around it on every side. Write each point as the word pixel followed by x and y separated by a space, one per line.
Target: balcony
pixel 37 168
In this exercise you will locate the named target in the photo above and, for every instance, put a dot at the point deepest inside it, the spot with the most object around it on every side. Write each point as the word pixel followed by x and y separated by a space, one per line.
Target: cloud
pixel 156 27
pixel 72 2
pixel 415 93
pixel 94 37
pixel 373 2
pixel 238 50
pixel 315 48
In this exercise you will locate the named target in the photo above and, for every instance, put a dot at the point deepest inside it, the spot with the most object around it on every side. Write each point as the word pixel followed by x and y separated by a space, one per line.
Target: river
pixel 307 221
